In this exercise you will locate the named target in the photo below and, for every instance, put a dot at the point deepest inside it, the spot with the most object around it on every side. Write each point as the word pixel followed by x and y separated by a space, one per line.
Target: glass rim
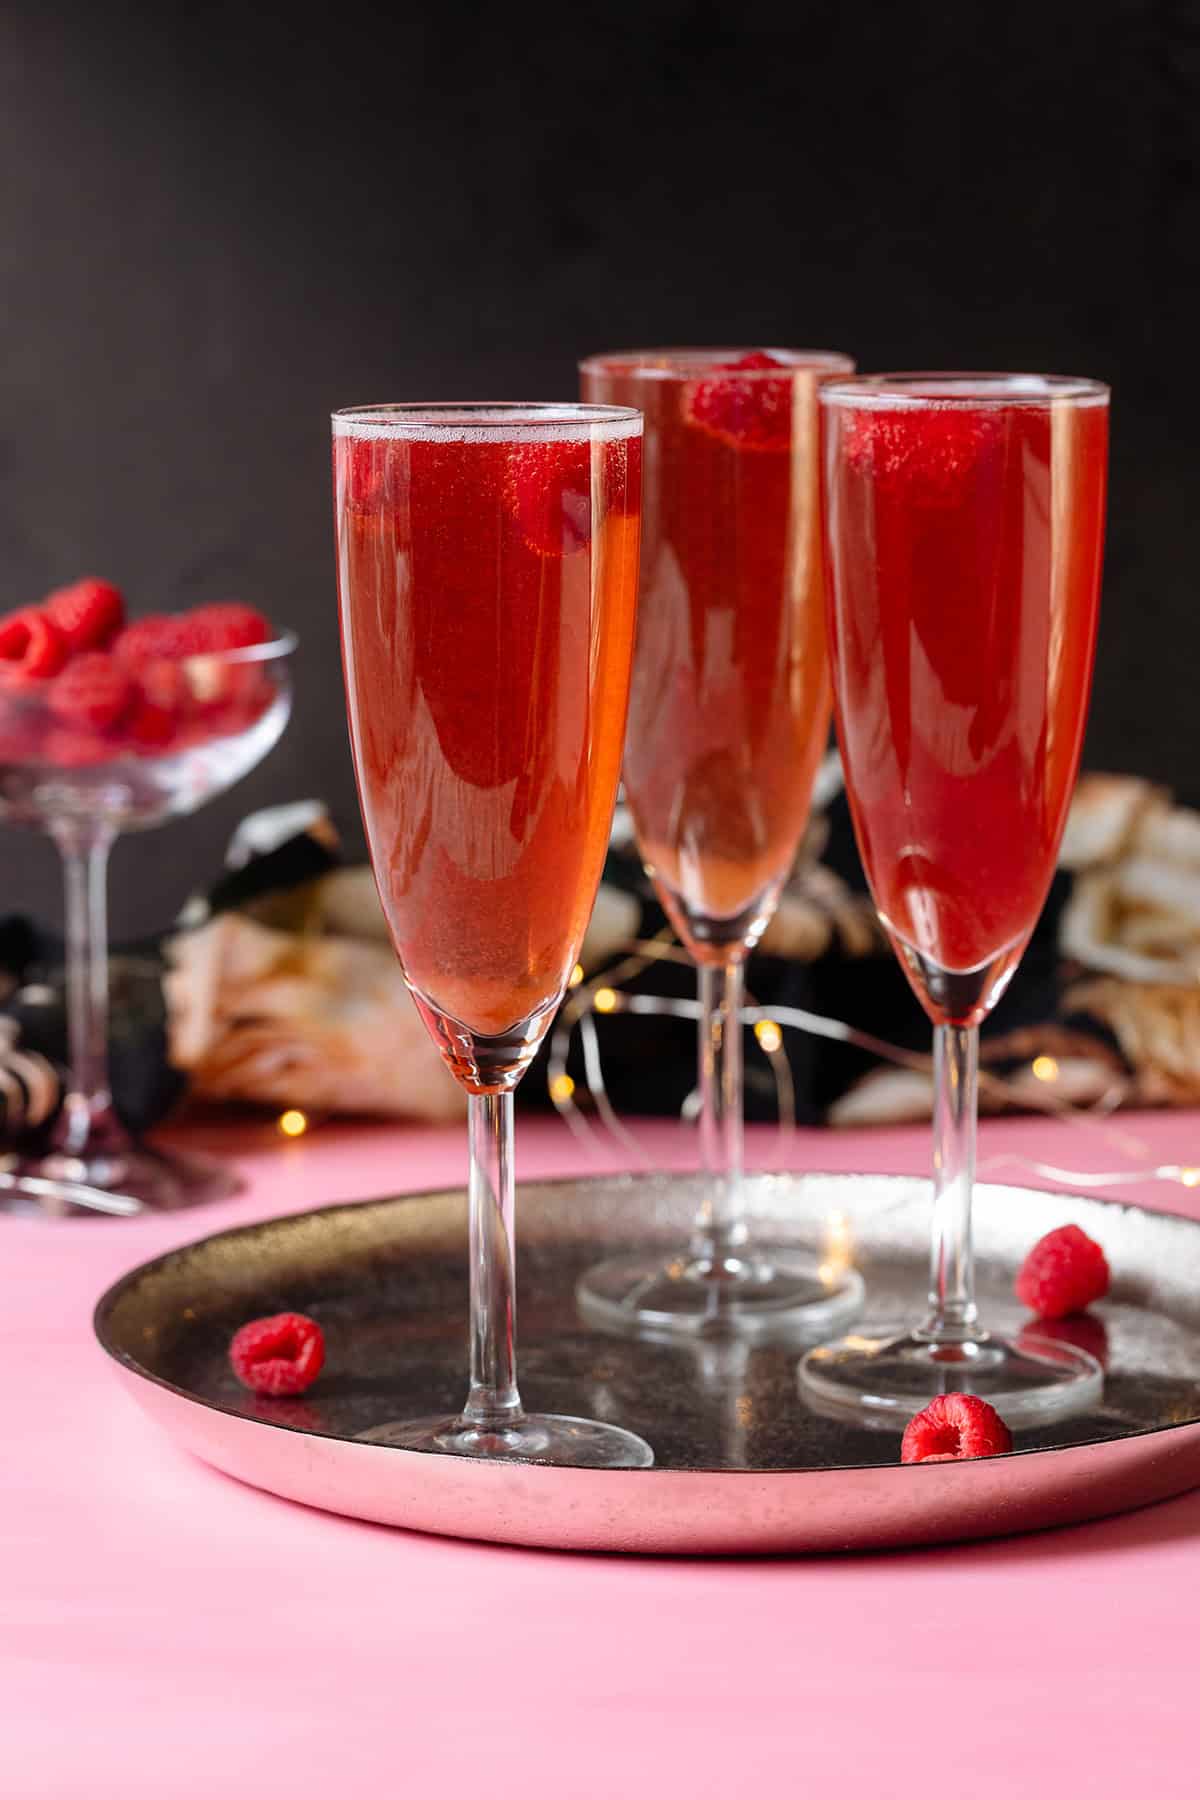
pixel 962 387
pixel 449 418
pixel 687 363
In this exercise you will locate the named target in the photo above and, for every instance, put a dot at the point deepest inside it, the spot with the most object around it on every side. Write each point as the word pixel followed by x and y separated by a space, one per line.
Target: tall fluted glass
pixel 729 718
pixel 965 528
pixel 487 562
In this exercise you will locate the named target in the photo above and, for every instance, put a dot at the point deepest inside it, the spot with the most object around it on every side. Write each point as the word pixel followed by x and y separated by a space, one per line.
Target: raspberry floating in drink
pixel 1064 1272
pixel 955 1428
pixel 740 404
pixel 282 1354
pixel 549 489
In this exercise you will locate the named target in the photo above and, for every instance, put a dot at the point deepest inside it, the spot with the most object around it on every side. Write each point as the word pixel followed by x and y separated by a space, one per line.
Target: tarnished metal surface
pixel 742 1464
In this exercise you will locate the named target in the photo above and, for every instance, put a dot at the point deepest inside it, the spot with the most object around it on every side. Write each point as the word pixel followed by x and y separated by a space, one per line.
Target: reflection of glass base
pixel 884 1379
pixel 120 1183
pixel 770 1293
pixel 534 1437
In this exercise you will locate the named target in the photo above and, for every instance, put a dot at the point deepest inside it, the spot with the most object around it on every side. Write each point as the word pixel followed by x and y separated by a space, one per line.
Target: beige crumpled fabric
pixel 299 1001
pixel 291 1019
pixel 1134 911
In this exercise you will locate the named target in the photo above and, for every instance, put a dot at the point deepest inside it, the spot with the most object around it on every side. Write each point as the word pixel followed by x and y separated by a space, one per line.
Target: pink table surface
pixel 169 1632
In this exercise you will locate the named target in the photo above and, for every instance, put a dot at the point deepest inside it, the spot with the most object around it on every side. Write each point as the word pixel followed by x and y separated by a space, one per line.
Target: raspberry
pixel 146 640
pixel 32 643
pixel 280 1355
pixel 1064 1272
pixel 749 414
pixel 225 625
pixel 149 730
pixel 548 489
pixel 14 634
pixel 954 1428
pixel 92 690
pixel 89 613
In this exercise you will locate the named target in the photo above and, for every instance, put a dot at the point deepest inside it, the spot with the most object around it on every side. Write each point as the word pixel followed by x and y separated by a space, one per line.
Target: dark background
pixel 218 222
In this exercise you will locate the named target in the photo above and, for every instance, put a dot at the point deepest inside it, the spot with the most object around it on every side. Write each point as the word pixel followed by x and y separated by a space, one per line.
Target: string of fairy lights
pixel 588 1111
pixel 587 1106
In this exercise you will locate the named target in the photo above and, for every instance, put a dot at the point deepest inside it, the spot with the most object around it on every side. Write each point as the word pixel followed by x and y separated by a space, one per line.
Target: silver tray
pixel 742 1465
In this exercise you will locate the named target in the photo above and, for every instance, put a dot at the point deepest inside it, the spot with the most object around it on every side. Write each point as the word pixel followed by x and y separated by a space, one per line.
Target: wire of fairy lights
pixel 604 996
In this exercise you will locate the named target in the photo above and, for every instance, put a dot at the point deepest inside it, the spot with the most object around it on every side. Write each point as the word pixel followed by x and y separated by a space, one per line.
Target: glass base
pixel 884 1379
pixel 120 1183
pixel 533 1437
pixel 773 1292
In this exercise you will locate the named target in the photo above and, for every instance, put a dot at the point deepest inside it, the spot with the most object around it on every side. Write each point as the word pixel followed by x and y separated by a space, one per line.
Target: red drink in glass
pixel 489 591
pixel 965 547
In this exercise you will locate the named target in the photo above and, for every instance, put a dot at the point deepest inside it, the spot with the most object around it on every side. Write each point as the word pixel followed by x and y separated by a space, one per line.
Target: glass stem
pixel 88 1121
pixel 493 1402
pixel 952 1309
pixel 720 1231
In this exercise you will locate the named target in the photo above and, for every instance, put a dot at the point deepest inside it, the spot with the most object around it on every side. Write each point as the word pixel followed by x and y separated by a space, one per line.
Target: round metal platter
pixel 742 1465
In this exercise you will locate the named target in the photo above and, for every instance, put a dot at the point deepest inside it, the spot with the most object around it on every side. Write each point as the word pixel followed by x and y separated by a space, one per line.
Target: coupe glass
pixel 487 560
pixel 729 717
pixel 965 526
pixel 83 787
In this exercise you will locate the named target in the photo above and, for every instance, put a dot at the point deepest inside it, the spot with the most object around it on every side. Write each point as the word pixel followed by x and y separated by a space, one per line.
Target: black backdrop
pixel 219 221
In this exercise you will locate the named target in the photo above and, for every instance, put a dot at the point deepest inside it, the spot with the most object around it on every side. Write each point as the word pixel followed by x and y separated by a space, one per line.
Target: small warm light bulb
pixel 576 975
pixel 1045 1068
pixel 561 1087
pixel 605 1000
pixel 769 1035
pixel 293 1123
pixel 1190 1177
pixel 839 1250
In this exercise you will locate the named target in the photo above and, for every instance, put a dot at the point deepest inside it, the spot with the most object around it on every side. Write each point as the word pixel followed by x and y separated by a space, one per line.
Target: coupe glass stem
pixel 952 1310
pixel 720 1231
pixel 87 1108
pixel 493 1402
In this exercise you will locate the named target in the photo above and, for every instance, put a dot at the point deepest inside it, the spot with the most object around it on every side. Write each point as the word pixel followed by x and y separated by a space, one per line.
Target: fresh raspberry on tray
pixel 282 1354
pixel 1064 1272
pixel 955 1428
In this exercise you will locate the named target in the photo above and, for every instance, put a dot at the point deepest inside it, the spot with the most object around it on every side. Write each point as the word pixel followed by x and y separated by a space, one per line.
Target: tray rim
pixel 130 1367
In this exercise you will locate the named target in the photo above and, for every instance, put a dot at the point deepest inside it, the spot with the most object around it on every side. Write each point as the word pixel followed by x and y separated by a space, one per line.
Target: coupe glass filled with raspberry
pixel 487 563
pixel 109 726
pixel 965 528
pixel 729 718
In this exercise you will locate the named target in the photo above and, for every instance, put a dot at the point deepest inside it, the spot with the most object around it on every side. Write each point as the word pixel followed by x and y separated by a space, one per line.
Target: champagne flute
pixel 729 717
pixel 964 527
pixel 487 560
